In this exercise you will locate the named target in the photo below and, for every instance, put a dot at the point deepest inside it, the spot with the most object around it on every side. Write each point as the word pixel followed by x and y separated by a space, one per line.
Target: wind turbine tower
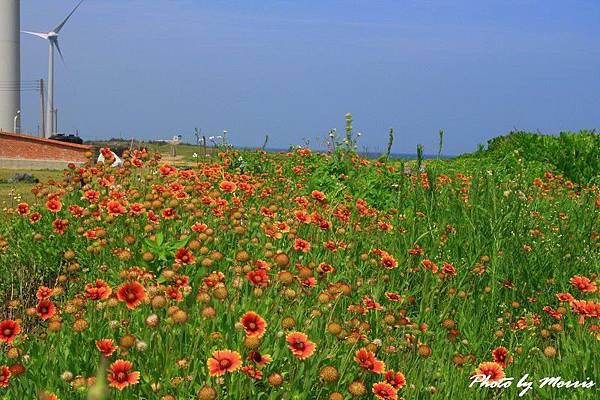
pixel 10 63
pixel 52 38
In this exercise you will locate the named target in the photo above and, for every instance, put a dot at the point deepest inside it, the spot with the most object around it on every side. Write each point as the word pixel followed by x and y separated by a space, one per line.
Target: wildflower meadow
pixel 302 275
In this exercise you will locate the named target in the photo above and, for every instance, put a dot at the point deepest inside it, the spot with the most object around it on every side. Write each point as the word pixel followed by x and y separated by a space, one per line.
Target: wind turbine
pixel 52 38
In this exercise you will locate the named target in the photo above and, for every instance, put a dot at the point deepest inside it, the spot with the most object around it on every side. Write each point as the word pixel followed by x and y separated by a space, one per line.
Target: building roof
pixel 43 140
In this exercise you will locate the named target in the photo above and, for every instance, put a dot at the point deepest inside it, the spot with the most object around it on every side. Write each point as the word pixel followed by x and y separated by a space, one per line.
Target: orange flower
pixel 393 296
pixel 567 297
pixel 301 245
pixel 584 284
pixel 384 391
pixel 388 261
pixel 252 372
pixel 99 291
pixel 224 361
pixel 119 375
pixel 319 196
pixel 228 187
pixel 132 293
pixel 115 208
pixel 106 346
pixel 493 370
pixel 199 227
pixel 43 293
pixel 395 379
pixel 366 359
pixel 137 208
pixel 253 324
pixel 54 205
pixel 299 344
pixel 258 277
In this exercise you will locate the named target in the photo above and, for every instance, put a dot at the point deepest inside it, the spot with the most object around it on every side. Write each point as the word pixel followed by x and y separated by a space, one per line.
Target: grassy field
pixel 13 193
pixel 303 276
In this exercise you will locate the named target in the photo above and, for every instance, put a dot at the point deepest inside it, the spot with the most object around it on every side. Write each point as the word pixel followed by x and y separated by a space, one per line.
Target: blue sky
pixel 477 69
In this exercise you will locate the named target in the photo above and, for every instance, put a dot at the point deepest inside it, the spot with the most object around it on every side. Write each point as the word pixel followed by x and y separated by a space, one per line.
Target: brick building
pixel 27 152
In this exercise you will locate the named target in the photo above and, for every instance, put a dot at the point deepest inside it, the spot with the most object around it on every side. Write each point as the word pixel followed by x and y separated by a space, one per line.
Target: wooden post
pixel 42 112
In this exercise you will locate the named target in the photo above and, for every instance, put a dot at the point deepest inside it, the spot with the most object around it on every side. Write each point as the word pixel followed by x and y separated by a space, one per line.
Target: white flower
pixel 195 155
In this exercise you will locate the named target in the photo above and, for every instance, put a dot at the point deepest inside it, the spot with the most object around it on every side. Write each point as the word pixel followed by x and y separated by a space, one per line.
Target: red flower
pixel 371 304
pixel 35 217
pixel 258 277
pixel 224 361
pixel 199 227
pixel 366 359
pixel 319 196
pixel 119 375
pixel 396 379
pixel 565 297
pixel 253 324
pixel 60 226
pixel 584 284
pixel 23 208
pixel 4 376
pixel 184 256
pixel 393 296
pixel 384 391
pixel 115 208
pixel 99 291
pixel 228 187
pixel 501 356
pixel 54 205
pixel 430 265
pixel 388 261
pixel 131 293
pixel 45 309
pixel 174 293
pixel 299 344
pixel 492 370
pixel 301 245
pixel 260 360
pixel 169 213
pixel 43 293
pixel 448 269
pixel 552 312
pixel 252 372
pixel 9 330
pixel 106 346
pixel 137 208
pixel 91 195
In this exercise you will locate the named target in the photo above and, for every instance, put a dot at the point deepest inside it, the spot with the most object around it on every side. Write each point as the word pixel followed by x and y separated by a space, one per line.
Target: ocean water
pixel 375 155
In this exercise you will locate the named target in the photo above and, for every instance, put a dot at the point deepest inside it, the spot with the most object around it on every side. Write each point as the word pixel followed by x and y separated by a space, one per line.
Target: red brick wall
pixel 24 147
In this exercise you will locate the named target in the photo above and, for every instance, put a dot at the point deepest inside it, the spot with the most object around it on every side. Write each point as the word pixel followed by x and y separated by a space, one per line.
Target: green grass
pixel 13 193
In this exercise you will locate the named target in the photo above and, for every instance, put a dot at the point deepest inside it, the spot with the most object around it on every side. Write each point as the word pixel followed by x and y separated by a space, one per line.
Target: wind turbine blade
pixel 59 52
pixel 60 26
pixel 42 35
